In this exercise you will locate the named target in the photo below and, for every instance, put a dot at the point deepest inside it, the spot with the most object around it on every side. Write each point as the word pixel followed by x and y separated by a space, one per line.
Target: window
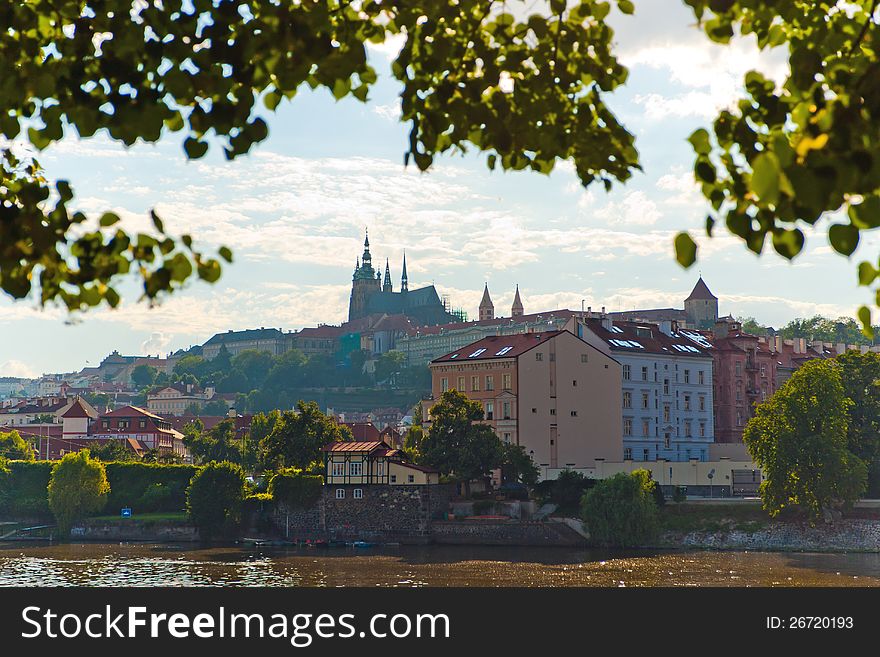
pixel 505 410
pixel 393 479
pixel 739 391
pixel 687 376
pixel 645 454
pixel 105 424
pixel 355 468
pixel 574 383
pixel 627 426
pixel 338 469
pixel 739 418
pixel 687 402
pixel 490 382
pixel 627 399
pixel 380 468
pixel 475 384
pixel 461 387
pixel 358 493
pixel 583 358
pixel 739 368
pixel 444 385
pixel 645 400
pixel 700 377
pixel 507 437
pixel 410 479
pixel 644 373
pixel 539 356
pixel 574 413
pixel 626 372
pixel 552 356
pixel 646 427
pixel 552 411
pixel 340 493
pixel 505 381
pixel 702 429
pixel 627 453
pixel 490 410
pixel 142 424
pixel 687 429
pixel 666 440
pixel 666 412
pixel 665 386
pixel 763 370
pixel 702 403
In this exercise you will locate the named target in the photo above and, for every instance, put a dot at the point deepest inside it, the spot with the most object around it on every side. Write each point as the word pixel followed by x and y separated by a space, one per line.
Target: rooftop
pixel 498 346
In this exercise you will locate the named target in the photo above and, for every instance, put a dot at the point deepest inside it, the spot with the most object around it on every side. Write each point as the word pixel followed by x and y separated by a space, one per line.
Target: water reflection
pixel 186 565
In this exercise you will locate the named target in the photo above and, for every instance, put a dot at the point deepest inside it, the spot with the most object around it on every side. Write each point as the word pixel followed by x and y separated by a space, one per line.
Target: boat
pixel 336 543
pixel 320 543
pixel 362 544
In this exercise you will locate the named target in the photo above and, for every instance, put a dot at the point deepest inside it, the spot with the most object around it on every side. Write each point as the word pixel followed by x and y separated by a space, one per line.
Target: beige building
pixel 550 392
pixel 356 463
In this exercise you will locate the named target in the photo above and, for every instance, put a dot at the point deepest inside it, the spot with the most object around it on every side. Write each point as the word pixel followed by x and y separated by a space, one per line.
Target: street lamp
pixel 710 475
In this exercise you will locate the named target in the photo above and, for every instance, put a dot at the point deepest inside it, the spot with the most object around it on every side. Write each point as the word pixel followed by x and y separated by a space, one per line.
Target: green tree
pixel 214 499
pixel 621 511
pixel 751 325
pixel 143 376
pixel 412 442
pixel 517 466
pixel 14 447
pixel 254 365
pixel 860 375
pixel 297 438
pixel 458 444
pixel 388 366
pixel 798 437
pixel 218 444
pixel 214 408
pixel 78 487
pixel 113 450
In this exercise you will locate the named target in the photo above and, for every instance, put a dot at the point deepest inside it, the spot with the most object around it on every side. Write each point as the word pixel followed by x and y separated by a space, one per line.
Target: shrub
pixel 296 489
pixel 77 488
pixel 215 498
pixel 26 489
pixel 13 446
pixel 146 487
pixel 257 511
pixel 620 511
pixel 567 489
pixel 483 507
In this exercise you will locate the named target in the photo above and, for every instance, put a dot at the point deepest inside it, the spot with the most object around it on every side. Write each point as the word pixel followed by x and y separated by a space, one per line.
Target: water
pixel 137 564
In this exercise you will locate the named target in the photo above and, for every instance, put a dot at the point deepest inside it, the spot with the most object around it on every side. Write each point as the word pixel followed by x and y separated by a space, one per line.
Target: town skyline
pixel 295 209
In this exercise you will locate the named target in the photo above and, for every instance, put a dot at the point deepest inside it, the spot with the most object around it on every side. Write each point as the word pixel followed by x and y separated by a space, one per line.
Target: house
pixel 132 422
pixel 362 463
pixel 177 398
pixel 550 392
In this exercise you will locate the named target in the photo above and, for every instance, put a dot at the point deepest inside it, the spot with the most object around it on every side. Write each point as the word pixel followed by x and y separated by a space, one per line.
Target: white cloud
pixel 390 112
pixel 156 343
pixel 635 209
pixel 17 368
pixel 682 188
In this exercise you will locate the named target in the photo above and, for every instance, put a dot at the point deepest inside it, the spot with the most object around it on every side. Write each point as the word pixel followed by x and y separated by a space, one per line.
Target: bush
pixel 483 507
pixel 77 488
pixel 215 498
pixel 620 511
pixel 296 489
pixel 146 487
pixel 566 490
pixel 26 489
pixel 13 446
pixel 257 511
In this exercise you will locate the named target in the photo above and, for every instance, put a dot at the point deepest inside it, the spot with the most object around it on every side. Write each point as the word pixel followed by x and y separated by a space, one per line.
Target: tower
pixel 364 283
pixel 516 310
pixel 487 308
pixel 701 307
pixel 386 287
pixel 404 282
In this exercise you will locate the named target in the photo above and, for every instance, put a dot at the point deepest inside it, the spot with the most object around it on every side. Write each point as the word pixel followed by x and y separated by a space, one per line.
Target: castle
pixel 371 295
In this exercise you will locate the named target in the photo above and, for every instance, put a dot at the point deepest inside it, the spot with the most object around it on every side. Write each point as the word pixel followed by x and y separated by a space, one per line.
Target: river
pixel 139 564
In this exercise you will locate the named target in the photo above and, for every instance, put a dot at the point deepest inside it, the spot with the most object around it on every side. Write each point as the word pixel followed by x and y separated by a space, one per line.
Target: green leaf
pixel 864 316
pixel 108 219
pixel 194 148
pixel 844 238
pixel 867 273
pixel 157 222
pixel 788 243
pixel 225 253
pixel 699 139
pixel 685 250
pixel 625 6
pixel 866 214
pixel 765 178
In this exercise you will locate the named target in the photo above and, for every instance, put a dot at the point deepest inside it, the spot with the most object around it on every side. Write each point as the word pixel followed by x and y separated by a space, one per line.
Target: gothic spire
pixel 386 287
pixel 368 259
pixel 516 309
pixel 487 308
pixel 404 281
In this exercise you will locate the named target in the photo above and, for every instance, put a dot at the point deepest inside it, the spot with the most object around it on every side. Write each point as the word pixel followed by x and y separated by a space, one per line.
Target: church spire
pixel 487 308
pixel 386 287
pixel 404 282
pixel 516 310
pixel 368 259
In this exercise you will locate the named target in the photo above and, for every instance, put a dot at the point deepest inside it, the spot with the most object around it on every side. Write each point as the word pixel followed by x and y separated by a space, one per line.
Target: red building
pixel 131 422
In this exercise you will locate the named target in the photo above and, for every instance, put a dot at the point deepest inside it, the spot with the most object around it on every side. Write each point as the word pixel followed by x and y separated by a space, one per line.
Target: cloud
pixel 681 187
pixel 16 368
pixel 156 343
pixel 389 112
pixel 634 209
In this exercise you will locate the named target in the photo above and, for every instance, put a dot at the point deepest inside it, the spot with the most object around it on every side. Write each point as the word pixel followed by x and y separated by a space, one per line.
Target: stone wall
pixel 134 530
pixel 504 532
pixel 299 523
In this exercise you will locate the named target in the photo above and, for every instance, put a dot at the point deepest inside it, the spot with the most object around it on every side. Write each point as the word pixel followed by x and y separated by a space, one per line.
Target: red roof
pixel 498 346
pixel 356 446
pixel 80 408
pixel 363 431
pixel 128 411
pixel 499 321
pixel 643 337
pixel 320 332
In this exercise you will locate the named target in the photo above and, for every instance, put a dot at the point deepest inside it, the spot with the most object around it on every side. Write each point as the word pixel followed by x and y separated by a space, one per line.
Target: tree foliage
pixel 143 376
pixel 621 511
pixel 517 466
pixel 458 443
pixel 14 447
pixel 798 438
pixel 218 444
pixel 298 436
pixel 860 375
pixel 215 497
pixel 296 489
pixel 78 487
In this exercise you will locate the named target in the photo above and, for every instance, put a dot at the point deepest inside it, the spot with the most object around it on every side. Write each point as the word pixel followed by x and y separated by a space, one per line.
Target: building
pixel 374 462
pixel 700 310
pixel 133 423
pixel 272 340
pixel 175 399
pixel 371 295
pixel 423 344
pixel 666 387
pixel 551 392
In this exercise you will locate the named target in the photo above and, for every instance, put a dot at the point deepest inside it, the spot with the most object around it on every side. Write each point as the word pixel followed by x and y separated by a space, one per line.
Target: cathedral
pixel 371 295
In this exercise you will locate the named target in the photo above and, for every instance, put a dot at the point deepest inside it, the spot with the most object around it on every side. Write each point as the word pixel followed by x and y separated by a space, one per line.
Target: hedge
pixel 24 489
pixel 148 487
pixel 295 489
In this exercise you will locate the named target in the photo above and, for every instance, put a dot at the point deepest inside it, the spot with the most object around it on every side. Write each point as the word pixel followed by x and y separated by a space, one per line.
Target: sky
pixel 294 211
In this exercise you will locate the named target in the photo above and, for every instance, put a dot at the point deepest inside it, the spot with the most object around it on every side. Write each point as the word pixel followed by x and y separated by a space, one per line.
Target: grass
pixel 161 516
pixel 706 518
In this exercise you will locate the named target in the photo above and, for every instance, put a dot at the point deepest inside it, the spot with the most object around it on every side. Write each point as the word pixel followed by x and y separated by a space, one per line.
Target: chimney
pixel 607 322
pixel 721 329
pixel 666 327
